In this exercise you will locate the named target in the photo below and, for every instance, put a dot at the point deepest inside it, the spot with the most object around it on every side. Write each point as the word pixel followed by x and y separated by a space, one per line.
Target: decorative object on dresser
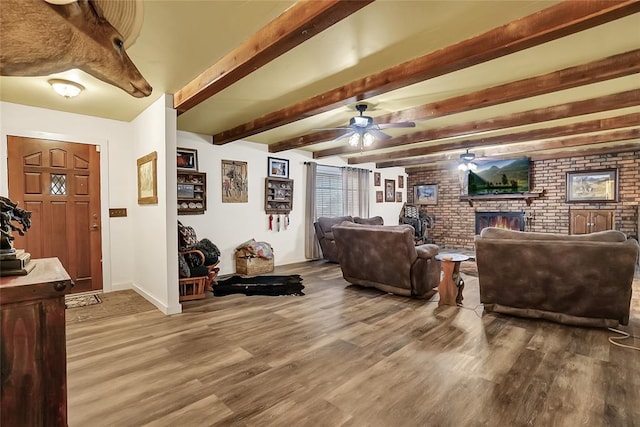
pixel 13 262
pixel 278 168
pixel 33 346
pixel 235 186
pixel 278 195
pixel 192 192
pixel 148 179
pixel 592 186
pixel 187 159
pixel 389 190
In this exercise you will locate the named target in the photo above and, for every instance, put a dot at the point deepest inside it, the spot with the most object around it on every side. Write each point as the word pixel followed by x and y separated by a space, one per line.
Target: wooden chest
pixel 251 265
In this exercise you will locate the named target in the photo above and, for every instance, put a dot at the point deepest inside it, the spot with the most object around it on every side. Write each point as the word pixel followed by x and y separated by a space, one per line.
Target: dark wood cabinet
pixel 278 195
pixel 583 221
pixel 192 193
pixel 33 349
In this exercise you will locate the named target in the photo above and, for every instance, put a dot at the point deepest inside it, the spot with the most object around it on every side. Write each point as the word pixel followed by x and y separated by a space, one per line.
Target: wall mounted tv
pixel 499 177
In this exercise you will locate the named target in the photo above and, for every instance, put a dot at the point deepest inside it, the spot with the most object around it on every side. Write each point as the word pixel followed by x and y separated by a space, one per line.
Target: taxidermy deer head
pixel 39 38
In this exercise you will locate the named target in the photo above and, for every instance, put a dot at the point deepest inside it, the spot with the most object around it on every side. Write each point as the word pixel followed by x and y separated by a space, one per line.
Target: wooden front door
pixel 59 182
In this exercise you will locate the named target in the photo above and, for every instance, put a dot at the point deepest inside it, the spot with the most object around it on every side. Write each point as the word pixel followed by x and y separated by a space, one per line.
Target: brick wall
pixel 455 219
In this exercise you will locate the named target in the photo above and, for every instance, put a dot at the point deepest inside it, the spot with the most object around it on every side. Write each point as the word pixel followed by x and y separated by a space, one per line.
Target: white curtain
pixel 311 245
pixel 355 187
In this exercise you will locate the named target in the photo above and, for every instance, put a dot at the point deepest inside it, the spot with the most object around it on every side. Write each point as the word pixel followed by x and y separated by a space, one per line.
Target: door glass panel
pixel 58 184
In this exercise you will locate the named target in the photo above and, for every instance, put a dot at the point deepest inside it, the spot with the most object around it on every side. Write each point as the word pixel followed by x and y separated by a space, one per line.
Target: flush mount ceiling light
pixel 66 88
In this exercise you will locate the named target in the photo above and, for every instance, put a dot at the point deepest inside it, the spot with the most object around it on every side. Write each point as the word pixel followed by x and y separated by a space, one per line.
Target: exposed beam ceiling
pixel 549 24
pixel 297 24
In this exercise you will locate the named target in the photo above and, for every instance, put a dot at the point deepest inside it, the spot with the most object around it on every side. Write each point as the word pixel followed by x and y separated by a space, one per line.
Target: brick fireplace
pixel 507 220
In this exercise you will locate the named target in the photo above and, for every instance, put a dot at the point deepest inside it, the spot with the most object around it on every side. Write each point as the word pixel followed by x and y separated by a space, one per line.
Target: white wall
pixel 155 242
pixel 230 224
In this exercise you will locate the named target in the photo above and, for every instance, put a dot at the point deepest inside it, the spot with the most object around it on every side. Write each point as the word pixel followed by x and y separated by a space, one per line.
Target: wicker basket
pixel 250 265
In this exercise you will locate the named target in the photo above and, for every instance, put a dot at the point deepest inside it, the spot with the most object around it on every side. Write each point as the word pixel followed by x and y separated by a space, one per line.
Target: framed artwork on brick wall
pixel 592 186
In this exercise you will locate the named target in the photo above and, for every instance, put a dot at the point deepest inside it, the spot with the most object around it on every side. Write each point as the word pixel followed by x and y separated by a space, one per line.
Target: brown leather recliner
pixel 386 258
pixel 582 280
pixel 325 235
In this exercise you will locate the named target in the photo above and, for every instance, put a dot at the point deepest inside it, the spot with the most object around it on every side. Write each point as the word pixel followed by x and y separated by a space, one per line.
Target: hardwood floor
pixel 347 356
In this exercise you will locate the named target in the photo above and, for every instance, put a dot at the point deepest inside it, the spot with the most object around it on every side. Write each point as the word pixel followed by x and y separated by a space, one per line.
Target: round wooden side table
pixel 451 285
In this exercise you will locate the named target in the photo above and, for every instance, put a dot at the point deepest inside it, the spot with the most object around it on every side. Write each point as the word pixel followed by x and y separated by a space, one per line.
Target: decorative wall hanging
pixel 148 179
pixel 82 34
pixel 399 196
pixel 187 159
pixel 389 190
pixel 400 181
pixel 376 179
pixel 278 168
pixel 592 186
pixel 234 182
pixel 425 194
pixel 379 197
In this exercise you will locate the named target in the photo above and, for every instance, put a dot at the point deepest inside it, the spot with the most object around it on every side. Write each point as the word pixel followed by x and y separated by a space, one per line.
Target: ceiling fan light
pixel 472 167
pixel 66 88
pixel 467 157
pixel 462 167
pixel 354 140
pixel 367 139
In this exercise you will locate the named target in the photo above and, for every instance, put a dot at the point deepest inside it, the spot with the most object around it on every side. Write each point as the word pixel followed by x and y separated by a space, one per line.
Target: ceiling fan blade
pixel 344 135
pixel 378 134
pixel 396 125
pixel 336 128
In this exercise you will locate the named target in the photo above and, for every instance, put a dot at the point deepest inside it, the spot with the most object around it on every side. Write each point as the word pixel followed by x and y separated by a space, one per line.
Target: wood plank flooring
pixel 346 356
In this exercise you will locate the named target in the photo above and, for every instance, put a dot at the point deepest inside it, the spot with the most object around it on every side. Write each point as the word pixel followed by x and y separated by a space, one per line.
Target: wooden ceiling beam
pixel 539 115
pixel 549 24
pixel 300 22
pixel 529 149
pixel 618 122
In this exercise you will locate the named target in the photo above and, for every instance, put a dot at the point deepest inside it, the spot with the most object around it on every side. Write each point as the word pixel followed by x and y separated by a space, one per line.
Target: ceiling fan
pixel 362 130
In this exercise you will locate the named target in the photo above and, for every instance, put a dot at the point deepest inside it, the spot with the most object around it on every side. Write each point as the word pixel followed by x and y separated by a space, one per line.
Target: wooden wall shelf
pixel 278 195
pixel 527 197
pixel 192 193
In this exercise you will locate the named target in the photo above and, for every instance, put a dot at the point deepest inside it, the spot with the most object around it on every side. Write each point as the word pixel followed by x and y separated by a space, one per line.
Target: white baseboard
pixel 162 307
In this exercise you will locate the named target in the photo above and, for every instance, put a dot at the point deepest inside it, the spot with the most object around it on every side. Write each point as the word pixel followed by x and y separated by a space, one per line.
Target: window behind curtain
pixel 329 195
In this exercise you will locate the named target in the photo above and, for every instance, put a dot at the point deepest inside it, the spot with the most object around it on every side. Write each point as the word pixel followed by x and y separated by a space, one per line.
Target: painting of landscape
pixel 500 177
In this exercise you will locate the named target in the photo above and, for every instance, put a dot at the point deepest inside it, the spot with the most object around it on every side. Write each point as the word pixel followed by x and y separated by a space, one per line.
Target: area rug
pixel 260 285
pixel 75 301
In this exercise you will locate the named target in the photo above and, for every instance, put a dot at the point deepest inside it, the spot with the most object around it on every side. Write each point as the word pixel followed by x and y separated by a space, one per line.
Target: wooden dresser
pixel 34 356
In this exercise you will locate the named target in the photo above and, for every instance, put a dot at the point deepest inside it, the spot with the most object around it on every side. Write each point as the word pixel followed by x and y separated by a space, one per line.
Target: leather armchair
pixel 325 235
pixel 385 257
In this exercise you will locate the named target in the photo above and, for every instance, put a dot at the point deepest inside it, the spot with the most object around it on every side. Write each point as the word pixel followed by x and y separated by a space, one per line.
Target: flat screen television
pixel 499 177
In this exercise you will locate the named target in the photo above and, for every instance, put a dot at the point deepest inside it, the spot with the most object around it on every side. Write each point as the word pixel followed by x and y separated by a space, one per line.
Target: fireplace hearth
pixel 506 220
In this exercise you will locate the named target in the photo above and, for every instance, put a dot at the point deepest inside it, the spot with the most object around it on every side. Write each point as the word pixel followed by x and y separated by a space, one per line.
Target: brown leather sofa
pixel 582 280
pixel 386 258
pixel 325 235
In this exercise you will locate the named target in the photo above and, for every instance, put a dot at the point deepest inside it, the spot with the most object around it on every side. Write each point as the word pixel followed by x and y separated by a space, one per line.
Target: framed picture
pixel 187 159
pixel 376 179
pixel 278 168
pixel 389 190
pixel 234 182
pixel 186 191
pixel 425 194
pixel 592 186
pixel 400 181
pixel 148 179
pixel 399 196
pixel 379 197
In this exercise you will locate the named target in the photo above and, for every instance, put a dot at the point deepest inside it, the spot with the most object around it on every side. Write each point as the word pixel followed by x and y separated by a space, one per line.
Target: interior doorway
pixel 59 182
